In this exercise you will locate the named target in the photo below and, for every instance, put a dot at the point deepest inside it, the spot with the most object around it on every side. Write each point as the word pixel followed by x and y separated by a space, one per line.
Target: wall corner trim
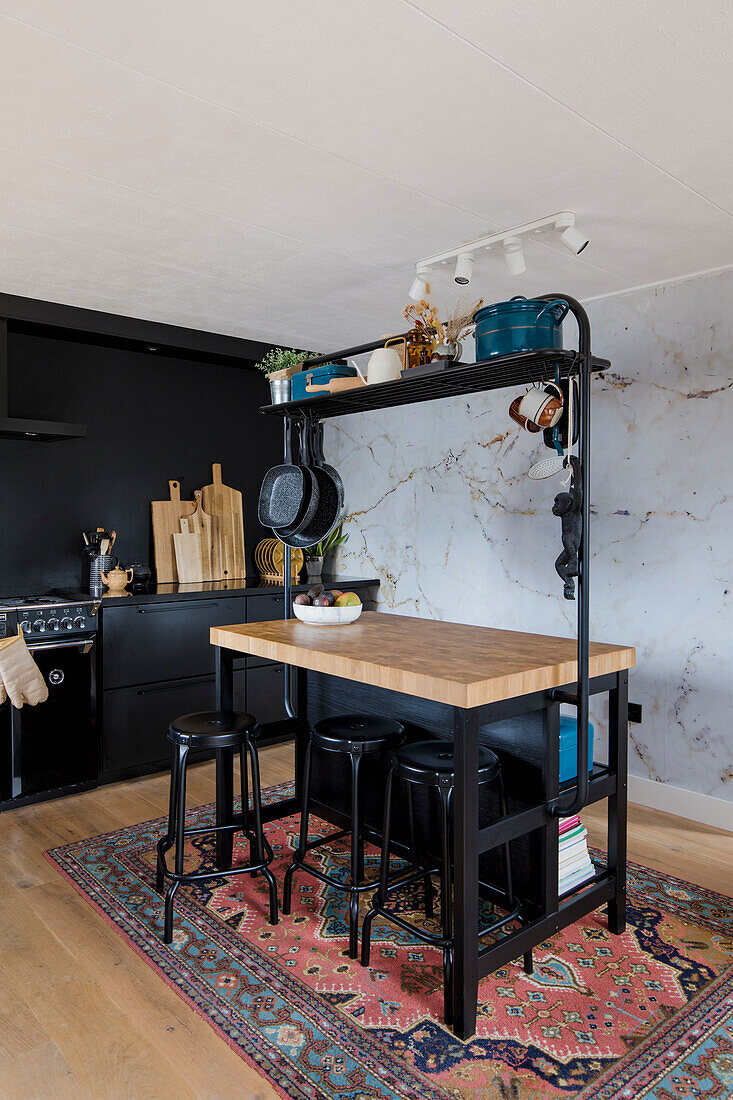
pixel 703 808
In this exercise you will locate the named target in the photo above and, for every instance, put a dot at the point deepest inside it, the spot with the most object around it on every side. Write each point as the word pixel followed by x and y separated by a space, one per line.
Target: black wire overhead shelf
pixel 518 369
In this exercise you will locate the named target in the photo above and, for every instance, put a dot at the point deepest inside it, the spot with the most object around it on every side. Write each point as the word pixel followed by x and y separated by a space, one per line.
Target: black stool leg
pixel 357 857
pixel 428 882
pixel 243 764
pixel 381 893
pixel 259 835
pixel 446 904
pixel 166 842
pixel 244 788
pixel 303 839
pixel 528 963
pixel 180 800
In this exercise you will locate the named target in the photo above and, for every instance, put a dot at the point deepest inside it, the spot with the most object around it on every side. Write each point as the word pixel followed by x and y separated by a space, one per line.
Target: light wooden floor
pixel 82 1016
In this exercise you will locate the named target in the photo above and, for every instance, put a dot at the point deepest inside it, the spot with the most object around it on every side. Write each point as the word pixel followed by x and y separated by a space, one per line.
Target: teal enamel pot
pixel 522 324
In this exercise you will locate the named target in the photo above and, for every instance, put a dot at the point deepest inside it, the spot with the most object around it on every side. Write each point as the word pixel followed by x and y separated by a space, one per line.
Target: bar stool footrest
pixel 301 865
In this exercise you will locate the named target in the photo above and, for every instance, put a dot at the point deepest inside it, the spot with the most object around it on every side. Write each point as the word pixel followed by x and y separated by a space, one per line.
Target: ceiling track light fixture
pixel 464 268
pixel 514 255
pixel 465 254
pixel 417 290
pixel 571 237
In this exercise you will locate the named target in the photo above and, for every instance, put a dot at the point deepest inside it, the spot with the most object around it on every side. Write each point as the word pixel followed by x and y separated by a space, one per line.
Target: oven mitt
pixel 20 674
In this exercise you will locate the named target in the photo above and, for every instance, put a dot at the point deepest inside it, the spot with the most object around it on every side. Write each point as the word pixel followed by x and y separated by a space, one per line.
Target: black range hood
pixel 15 427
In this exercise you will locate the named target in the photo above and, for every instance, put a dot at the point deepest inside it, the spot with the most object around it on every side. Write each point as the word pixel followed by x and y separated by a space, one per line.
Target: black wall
pixel 149 419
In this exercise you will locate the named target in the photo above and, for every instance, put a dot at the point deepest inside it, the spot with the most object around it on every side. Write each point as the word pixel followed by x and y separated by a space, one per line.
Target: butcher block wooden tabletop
pixel 464 666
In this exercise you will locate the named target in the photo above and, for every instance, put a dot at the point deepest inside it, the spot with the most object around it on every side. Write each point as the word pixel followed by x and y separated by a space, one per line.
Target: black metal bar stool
pixel 353 735
pixel 215 730
pixel 430 764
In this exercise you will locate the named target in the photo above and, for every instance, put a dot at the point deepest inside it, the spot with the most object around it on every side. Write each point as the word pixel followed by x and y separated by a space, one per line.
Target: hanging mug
pixel 541 406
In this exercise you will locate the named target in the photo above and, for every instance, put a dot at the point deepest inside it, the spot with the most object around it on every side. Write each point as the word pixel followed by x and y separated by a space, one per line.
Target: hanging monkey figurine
pixel 568 507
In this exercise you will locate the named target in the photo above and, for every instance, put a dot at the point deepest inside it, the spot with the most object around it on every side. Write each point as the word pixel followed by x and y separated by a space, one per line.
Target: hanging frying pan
pixel 284 492
pixel 310 501
pixel 330 470
pixel 326 513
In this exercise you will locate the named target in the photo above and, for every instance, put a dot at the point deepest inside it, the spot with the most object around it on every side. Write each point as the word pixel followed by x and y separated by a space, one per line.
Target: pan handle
pixel 317 442
pixel 306 452
pixel 287 441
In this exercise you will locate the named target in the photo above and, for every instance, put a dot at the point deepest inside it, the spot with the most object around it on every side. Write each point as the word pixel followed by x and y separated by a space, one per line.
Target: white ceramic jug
pixel 384 365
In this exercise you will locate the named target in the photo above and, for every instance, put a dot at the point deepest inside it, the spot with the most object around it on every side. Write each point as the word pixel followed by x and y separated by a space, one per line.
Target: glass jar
pixel 419 347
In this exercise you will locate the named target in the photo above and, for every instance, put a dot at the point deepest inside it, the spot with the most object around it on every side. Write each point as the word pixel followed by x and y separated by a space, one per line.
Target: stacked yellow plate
pixel 270 560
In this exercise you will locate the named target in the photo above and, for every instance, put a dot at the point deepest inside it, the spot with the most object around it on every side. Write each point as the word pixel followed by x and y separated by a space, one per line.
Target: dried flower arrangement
pixel 423 314
pixel 459 322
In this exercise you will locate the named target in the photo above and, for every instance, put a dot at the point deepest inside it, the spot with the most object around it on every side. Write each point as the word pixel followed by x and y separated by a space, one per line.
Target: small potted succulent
pixel 314 555
pixel 279 365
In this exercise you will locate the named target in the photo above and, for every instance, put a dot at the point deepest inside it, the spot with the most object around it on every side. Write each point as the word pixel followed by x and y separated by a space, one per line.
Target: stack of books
pixel 574 864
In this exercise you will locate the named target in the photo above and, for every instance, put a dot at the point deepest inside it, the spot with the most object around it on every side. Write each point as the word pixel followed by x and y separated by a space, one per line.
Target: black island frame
pixel 473 961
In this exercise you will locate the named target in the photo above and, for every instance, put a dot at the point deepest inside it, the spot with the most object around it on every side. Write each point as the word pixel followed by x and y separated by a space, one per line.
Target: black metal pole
pixel 287 589
pixel 584 350
pixel 618 748
pixel 224 688
pixel 465 869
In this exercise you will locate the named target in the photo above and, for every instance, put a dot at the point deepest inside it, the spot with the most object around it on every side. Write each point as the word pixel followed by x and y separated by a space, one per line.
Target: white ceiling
pixel 273 168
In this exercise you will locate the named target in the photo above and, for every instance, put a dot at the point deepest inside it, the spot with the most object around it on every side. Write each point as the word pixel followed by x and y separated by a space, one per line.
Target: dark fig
pixel 321 601
pixel 316 590
pixel 303 599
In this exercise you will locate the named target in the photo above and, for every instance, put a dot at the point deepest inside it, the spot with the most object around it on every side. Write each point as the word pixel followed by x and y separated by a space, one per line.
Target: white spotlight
pixel 417 290
pixel 514 255
pixel 464 268
pixel 572 238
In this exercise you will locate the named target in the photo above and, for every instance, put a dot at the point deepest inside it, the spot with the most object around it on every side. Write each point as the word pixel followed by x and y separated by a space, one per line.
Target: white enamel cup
pixel 535 402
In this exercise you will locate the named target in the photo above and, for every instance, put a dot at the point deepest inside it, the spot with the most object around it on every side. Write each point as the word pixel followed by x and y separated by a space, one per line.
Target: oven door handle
pixel 83 646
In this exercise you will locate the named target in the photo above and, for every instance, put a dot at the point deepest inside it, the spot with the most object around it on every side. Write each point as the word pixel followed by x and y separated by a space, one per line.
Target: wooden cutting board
pixel 188 553
pixel 223 503
pixel 167 523
pixel 207 529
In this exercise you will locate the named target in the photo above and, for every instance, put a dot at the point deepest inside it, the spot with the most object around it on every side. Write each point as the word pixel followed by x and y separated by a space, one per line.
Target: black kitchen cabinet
pixel 157 663
pixel 163 641
pixel 136 721
pixel 265 608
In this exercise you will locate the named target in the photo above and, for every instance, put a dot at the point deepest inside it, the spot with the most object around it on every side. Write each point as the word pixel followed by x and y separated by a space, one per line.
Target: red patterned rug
pixel 647 1014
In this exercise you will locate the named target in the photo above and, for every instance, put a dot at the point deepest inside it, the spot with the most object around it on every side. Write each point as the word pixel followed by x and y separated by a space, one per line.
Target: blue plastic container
pixel 522 324
pixel 318 376
pixel 569 748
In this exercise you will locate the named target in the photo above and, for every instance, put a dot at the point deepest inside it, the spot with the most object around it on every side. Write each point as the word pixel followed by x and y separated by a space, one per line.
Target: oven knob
pixel 39 626
pixel 79 622
pixel 25 626
pixel 66 624
pixel 53 624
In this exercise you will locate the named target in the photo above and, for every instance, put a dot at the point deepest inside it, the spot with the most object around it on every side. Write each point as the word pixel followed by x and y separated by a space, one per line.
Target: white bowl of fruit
pixel 317 607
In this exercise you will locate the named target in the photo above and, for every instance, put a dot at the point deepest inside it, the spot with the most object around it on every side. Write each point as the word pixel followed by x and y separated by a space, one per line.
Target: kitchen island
pixel 488 679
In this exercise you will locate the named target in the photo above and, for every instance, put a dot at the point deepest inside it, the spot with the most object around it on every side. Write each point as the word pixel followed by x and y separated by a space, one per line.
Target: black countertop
pixel 247 586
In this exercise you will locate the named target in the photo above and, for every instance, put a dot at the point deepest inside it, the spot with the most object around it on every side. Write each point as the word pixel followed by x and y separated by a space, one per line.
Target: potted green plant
pixel 314 555
pixel 279 365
